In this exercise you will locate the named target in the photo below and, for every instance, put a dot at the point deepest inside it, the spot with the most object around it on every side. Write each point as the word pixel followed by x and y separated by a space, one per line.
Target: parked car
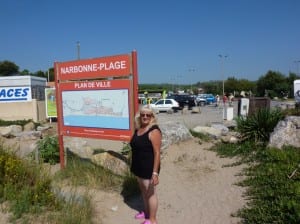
pixel 210 98
pixel 165 105
pixel 204 99
pixel 184 100
pixel 201 100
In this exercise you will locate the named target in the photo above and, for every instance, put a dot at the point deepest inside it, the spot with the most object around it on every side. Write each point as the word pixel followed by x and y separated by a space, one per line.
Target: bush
pixel 259 126
pixel 24 185
pixel 49 149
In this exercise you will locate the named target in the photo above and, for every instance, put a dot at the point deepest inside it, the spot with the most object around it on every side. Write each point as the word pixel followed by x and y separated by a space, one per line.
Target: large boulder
pixel 218 131
pixel 29 126
pixel 10 131
pixel 79 147
pixel 286 133
pixel 172 133
pixel 213 132
pixel 112 161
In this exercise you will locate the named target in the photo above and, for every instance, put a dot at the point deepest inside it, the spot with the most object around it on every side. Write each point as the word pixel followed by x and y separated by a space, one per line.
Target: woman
pixel 145 144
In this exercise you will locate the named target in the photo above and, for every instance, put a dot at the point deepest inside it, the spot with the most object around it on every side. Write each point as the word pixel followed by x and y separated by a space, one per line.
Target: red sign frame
pixel 97 74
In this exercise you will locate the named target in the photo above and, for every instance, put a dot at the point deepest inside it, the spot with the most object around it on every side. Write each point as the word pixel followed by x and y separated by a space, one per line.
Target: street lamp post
pixel 191 70
pixel 178 82
pixel 173 79
pixel 222 57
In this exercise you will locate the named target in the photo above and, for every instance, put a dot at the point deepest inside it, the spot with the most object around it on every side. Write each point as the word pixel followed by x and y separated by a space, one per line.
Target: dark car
pixel 184 100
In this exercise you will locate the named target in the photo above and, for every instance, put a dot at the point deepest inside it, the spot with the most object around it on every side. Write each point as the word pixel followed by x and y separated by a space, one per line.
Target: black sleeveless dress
pixel 142 154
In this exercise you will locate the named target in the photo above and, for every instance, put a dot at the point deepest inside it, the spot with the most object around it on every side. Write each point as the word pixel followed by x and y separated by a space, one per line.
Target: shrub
pixel 260 125
pixel 24 185
pixel 126 149
pixel 49 149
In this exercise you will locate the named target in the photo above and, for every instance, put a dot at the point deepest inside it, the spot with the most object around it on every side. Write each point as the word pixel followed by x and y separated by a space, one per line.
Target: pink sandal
pixel 140 215
pixel 147 221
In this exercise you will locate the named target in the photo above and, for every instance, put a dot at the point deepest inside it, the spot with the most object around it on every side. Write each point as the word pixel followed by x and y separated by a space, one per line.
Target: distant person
pixel 149 100
pixel 230 99
pixel 145 144
pixel 225 100
pixel 217 100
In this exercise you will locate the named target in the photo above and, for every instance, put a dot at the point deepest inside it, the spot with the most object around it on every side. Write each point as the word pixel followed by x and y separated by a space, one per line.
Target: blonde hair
pixel 147 109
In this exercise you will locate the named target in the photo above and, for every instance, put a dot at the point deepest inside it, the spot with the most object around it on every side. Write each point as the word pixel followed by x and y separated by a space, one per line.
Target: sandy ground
pixel 194 188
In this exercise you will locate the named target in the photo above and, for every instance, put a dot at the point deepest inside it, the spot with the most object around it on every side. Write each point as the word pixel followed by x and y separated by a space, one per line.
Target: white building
pixel 22 97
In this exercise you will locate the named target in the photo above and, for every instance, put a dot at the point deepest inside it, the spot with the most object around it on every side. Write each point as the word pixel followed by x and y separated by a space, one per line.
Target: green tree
pixel 231 85
pixel 51 75
pixel 273 84
pixel 25 72
pixel 8 68
pixel 214 87
pixel 247 85
pixel 40 74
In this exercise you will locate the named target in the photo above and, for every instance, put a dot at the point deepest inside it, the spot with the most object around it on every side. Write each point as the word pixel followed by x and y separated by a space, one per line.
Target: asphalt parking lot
pixel 208 114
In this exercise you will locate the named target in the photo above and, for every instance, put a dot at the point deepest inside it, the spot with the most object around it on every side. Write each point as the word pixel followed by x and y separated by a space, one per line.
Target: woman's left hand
pixel 155 179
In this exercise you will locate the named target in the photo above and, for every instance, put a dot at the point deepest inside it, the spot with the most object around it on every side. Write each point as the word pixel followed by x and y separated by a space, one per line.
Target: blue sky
pixel 176 41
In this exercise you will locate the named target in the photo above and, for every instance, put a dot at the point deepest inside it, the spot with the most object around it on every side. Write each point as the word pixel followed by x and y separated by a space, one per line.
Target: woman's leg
pixel 150 198
pixel 143 189
pixel 152 203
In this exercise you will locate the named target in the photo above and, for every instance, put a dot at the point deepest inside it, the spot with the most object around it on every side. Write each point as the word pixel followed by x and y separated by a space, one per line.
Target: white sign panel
pixel 297 90
pixel 96 108
pixel 244 107
pixel 15 94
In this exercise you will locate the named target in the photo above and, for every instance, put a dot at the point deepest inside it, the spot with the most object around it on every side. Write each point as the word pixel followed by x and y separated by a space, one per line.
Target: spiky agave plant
pixel 260 125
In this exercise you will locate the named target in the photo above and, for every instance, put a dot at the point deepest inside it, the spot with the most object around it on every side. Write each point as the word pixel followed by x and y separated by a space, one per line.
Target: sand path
pixel 194 188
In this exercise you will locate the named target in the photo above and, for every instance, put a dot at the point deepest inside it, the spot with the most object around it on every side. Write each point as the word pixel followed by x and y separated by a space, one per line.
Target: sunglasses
pixel 145 115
